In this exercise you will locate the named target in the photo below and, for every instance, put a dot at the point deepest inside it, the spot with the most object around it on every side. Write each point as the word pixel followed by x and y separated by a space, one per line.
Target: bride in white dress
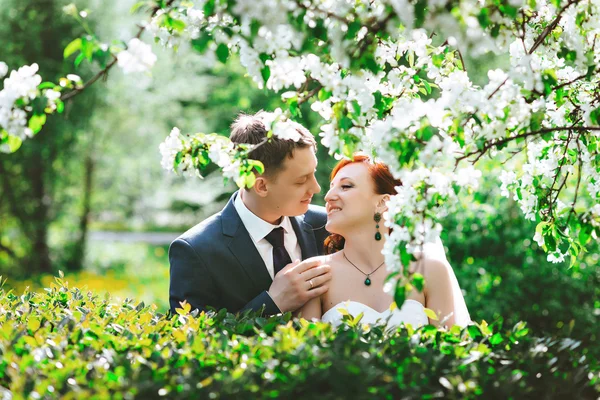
pixel 356 199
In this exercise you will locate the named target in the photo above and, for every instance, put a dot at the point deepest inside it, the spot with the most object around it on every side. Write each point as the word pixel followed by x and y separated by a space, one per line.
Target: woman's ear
pixel 381 205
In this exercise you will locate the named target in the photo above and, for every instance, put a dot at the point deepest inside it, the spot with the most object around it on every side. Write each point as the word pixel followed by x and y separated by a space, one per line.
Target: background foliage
pixel 77 180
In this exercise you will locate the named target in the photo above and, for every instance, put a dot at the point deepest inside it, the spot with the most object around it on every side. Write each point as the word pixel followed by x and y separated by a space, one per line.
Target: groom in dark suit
pixel 247 257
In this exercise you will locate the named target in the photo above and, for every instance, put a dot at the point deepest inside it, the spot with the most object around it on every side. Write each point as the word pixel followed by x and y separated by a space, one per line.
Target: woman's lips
pixel 333 210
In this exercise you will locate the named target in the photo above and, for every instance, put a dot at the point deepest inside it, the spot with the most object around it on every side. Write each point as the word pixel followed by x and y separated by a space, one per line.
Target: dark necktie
pixel 281 258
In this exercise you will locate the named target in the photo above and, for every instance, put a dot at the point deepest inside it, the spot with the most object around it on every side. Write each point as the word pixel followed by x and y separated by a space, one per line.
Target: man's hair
pixel 251 129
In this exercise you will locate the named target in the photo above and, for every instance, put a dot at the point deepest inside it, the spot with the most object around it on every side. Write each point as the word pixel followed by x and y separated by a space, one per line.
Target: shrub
pixel 70 344
pixel 507 276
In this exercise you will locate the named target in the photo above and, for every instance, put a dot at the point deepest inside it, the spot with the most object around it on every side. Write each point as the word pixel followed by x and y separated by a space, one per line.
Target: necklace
pixel 368 279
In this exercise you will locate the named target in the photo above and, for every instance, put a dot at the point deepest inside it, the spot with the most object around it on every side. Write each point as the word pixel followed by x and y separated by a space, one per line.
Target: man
pixel 241 258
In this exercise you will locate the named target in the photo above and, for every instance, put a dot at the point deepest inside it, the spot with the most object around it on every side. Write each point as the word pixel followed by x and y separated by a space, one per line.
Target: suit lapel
pixel 306 237
pixel 243 248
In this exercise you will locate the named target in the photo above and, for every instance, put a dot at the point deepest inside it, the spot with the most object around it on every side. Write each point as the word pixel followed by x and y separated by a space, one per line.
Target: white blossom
pixel 539 239
pixel 172 145
pixel 3 69
pixel 137 58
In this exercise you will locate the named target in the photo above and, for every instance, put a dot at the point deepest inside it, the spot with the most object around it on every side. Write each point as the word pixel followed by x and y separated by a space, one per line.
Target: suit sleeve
pixel 263 299
pixel 190 280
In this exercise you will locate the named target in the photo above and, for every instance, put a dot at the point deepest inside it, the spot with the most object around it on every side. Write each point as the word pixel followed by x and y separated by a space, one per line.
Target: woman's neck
pixel 363 250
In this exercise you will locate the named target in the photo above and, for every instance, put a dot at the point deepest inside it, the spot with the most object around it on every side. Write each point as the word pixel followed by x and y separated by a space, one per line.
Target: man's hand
pixel 299 282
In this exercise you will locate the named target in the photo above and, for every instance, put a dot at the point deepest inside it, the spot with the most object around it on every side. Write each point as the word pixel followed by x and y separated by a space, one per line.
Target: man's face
pixel 291 189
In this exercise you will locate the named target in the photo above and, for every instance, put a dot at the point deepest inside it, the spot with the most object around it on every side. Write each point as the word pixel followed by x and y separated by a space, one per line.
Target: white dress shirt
pixel 259 229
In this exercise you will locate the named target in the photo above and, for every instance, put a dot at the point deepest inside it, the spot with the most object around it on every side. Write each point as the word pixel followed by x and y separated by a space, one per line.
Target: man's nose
pixel 316 187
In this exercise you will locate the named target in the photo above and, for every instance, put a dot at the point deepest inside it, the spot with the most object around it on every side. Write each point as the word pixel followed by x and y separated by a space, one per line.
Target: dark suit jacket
pixel 217 264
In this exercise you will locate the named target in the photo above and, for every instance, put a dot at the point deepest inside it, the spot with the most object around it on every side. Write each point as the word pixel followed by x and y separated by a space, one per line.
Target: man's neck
pixel 254 205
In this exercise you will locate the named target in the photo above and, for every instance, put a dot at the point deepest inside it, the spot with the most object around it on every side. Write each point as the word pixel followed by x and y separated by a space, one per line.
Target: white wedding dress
pixel 412 312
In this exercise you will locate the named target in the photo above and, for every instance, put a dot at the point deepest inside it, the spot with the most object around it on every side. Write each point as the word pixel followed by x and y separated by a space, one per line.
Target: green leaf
pixel 14 143
pixel 509 10
pixel 60 106
pixel 201 44
pixel 79 59
pixel 357 319
pixel 345 123
pixel 427 86
pixel 72 47
pixel 266 73
pixel 585 234
pixel 418 281
pixel 87 48
pixel 46 85
pixel 484 18
pixel 257 165
pixel 209 7
pixel 324 94
pixel 474 332
pixel 222 53
pixel 355 107
pixel 430 314
pixel 294 107
pixel 36 122
pixel 400 295
pixel 496 339
pixel 353 28
pixel 137 6
pixel 595 116
pixel 250 180
pixel 420 12
pixel 177 25
pixel 33 324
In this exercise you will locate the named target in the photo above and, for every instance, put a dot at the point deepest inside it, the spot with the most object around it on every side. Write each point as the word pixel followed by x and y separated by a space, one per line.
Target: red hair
pixel 384 181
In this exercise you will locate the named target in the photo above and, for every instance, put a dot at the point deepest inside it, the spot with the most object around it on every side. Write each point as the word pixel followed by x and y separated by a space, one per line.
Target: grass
pixel 125 270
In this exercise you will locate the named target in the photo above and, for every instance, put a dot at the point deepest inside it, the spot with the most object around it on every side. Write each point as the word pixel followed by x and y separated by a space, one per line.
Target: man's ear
pixel 260 186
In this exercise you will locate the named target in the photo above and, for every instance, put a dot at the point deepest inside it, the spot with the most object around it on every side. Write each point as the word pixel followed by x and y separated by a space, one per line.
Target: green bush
pixel 506 275
pixel 70 344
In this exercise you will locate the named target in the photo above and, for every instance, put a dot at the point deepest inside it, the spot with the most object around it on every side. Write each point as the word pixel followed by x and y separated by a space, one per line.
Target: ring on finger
pixel 311 283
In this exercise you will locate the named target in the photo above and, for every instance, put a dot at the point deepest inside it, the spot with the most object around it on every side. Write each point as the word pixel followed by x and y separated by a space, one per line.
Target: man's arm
pixel 190 280
pixel 263 299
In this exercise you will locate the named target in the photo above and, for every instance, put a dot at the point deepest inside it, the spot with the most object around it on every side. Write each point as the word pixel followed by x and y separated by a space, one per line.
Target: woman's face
pixel 351 200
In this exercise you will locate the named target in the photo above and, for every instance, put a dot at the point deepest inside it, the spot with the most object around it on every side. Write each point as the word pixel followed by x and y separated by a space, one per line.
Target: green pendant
pixel 368 281
pixel 378 236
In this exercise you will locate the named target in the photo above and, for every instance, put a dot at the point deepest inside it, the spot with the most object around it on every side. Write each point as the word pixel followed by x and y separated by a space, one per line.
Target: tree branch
pixel 488 146
pixel 550 27
pixel 556 178
pixel 579 168
pixel 104 72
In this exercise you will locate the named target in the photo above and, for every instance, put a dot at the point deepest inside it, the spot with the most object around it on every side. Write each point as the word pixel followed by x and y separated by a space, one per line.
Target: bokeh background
pixel 88 197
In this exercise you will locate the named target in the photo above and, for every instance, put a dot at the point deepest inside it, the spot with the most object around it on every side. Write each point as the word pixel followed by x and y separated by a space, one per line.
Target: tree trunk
pixel 40 257
pixel 75 262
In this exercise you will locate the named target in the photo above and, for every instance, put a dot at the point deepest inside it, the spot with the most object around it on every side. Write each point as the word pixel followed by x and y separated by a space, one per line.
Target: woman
pixel 356 200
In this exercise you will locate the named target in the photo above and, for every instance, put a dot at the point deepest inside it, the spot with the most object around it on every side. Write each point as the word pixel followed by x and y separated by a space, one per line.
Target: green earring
pixel 377 218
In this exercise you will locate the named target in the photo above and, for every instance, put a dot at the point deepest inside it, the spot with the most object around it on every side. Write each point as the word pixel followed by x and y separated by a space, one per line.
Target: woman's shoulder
pixel 333 260
pixel 436 271
pixel 325 259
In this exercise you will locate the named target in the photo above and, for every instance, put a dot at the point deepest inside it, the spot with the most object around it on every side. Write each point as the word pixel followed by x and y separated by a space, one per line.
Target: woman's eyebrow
pixel 341 179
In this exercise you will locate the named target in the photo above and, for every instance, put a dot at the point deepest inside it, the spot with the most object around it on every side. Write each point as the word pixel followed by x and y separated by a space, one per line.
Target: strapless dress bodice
pixel 412 312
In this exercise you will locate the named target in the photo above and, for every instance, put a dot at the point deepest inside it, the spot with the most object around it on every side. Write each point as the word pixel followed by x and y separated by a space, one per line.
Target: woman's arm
pixel 312 309
pixel 439 296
